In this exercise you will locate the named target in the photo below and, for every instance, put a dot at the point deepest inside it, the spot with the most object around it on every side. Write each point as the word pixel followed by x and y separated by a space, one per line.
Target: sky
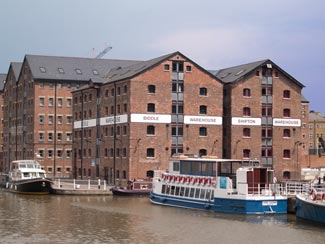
pixel 213 33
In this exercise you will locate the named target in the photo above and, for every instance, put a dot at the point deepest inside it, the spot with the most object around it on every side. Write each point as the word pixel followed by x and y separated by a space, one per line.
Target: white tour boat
pixel 222 185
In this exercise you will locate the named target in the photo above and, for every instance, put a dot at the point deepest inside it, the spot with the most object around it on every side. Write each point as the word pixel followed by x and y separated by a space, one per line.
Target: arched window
pixel 203 109
pixel 203 131
pixel 286 112
pixel 150 152
pixel 286 153
pixel 203 91
pixel 286 133
pixel 247 132
pixel 246 153
pixel 151 89
pixel 286 94
pixel 151 107
pixel 246 92
pixel 286 175
pixel 246 111
pixel 150 130
pixel 202 152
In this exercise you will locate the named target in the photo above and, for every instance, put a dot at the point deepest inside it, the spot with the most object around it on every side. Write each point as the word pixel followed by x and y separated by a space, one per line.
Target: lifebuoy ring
pixel 313 194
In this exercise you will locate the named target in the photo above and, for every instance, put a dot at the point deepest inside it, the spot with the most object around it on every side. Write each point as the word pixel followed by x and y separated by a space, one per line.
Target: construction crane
pixel 102 53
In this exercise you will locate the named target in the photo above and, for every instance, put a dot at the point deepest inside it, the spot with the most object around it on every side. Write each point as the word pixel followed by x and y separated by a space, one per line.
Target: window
pixel 188 68
pixel 203 109
pixel 59 102
pixel 69 102
pixel 59 136
pixel 266 132
pixel 49 153
pixel 203 91
pixel 59 119
pixel 50 101
pixel 247 132
pixel 41 153
pixel 41 136
pixel 151 107
pixel 179 107
pixel 203 131
pixel 95 72
pixel 286 112
pixel 266 110
pixel 41 101
pixel 177 131
pixel 112 92
pixel 50 119
pixel 78 71
pixel 118 92
pixel 257 73
pixel 286 153
pixel 286 94
pixel 51 85
pixel 166 67
pixel 246 153
pixel 125 89
pixel 61 70
pixel 276 74
pixel 151 89
pixel 247 92
pixel 267 90
pixel 50 136
pixel 246 111
pixel 41 119
pixel 286 133
pixel 69 136
pixel 150 130
pixel 202 152
pixel 178 88
pixel 150 152
pixel 59 153
pixel 69 119
pixel 266 152
pixel 125 107
pixel 59 85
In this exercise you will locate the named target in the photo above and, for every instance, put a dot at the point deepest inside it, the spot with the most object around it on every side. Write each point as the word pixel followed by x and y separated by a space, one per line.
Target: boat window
pixel 196 169
pixel 172 190
pixel 177 191
pixel 181 193
pixel 202 194
pixel 42 175
pixel 163 189
pixel 186 168
pixel 197 192
pixel 187 190
pixel 212 195
pixel 207 196
pixel 22 165
pixel 26 175
pixel 192 192
pixel 30 166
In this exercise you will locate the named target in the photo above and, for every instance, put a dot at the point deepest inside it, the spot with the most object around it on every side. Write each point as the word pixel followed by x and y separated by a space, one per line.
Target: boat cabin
pixel 26 169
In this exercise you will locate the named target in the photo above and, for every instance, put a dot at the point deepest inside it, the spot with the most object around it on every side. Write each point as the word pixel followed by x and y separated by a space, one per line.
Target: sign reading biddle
pixel 151 118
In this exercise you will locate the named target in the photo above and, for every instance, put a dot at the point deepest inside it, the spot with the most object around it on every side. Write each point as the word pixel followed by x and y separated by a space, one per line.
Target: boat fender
pixel 313 194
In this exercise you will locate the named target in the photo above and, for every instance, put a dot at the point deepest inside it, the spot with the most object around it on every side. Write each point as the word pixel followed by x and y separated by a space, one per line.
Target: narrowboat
pixel 221 185
pixel 134 187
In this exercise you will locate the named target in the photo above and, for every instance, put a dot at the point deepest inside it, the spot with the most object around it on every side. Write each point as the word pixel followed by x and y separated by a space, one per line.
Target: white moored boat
pixel 222 185
pixel 27 176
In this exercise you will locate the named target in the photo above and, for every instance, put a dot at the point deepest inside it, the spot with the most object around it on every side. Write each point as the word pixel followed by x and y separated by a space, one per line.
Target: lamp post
pixel 297 144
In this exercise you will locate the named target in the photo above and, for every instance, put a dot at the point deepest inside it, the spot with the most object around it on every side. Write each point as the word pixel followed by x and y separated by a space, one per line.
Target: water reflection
pixel 106 219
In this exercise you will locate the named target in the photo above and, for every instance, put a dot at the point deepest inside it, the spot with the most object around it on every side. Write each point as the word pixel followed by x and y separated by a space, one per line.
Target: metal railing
pixel 73 184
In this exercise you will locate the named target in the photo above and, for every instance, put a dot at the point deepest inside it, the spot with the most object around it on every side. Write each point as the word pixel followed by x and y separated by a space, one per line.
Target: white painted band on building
pixel 202 120
pixel 287 122
pixel 151 118
pixel 119 119
pixel 84 123
pixel 246 121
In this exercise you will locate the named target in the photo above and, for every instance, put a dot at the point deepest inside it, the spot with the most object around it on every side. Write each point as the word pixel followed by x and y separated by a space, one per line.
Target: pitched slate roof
pixel 236 73
pixel 2 80
pixel 16 66
pixel 120 73
pixel 72 68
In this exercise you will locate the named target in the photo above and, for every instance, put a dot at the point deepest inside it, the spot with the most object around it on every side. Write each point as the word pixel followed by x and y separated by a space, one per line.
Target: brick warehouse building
pixel 145 113
pixel 162 106
pixel 38 108
pixel 2 83
pixel 265 117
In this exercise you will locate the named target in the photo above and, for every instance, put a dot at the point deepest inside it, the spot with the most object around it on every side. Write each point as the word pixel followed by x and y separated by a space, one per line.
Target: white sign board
pixel 287 122
pixel 84 123
pixel 202 120
pixel 151 118
pixel 246 121
pixel 110 119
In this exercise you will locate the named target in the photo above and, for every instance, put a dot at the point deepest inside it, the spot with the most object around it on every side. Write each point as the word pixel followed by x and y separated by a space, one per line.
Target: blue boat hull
pixel 310 210
pixel 223 204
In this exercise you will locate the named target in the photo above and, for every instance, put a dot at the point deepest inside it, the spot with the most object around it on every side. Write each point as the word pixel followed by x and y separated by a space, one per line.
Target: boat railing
pixel 260 189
